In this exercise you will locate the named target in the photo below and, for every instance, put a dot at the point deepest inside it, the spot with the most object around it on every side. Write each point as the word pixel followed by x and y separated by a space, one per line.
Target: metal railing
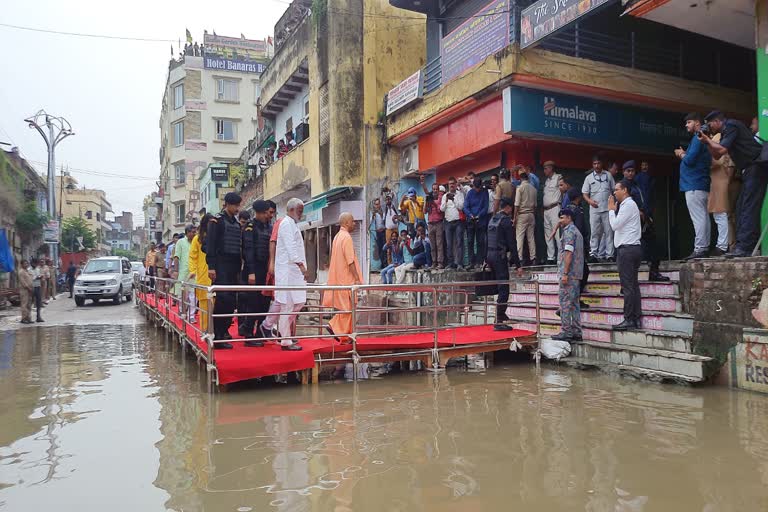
pixel 377 311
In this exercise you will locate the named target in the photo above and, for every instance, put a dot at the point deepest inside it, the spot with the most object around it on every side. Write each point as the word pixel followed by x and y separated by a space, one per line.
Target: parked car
pixel 109 277
pixel 138 270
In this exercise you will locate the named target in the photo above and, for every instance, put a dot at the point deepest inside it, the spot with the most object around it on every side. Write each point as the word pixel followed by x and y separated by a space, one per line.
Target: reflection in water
pixel 114 417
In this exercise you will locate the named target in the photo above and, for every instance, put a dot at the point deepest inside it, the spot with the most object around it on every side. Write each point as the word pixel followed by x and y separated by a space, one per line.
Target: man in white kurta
pixel 290 267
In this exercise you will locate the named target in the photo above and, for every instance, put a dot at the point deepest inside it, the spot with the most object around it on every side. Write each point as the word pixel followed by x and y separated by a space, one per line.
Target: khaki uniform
pixel 525 205
pixel 25 290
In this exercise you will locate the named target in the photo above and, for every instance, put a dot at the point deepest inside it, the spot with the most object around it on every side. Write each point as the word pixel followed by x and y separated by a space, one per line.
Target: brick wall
pixel 193 88
pixel 720 294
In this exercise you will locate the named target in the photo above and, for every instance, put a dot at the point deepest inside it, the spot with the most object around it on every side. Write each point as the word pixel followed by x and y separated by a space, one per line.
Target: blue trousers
pixel 423 258
pixel 388 274
pixel 570 309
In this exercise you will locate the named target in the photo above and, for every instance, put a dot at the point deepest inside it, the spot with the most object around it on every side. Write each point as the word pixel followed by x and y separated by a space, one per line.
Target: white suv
pixel 110 277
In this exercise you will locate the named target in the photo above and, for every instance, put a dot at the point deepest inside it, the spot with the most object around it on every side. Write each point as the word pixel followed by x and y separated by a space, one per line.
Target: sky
pixel 109 90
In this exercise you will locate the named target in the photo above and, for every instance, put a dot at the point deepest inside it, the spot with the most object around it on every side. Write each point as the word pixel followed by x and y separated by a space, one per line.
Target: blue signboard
pixel 601 123
pixel 240 65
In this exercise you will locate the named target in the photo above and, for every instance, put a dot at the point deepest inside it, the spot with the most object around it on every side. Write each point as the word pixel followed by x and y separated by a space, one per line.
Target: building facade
pixel 86 203
pixel 322 98
pixel 152 208
pixel 603 83
pixel 208 113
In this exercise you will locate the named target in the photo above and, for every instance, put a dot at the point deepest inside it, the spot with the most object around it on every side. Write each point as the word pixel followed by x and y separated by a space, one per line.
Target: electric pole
pixel 58 129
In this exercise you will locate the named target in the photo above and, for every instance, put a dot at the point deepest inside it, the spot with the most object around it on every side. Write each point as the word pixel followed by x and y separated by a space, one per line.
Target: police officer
pixel 223 256
pixel 255 266
pixel 501 240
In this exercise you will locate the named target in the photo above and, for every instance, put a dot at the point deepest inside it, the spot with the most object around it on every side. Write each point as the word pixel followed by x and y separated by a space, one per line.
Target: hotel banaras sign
pixel 562 116
pixel 546 17
pixel 483 34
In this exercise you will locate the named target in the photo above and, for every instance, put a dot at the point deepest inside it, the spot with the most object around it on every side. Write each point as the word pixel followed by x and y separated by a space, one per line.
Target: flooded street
pixel 112 417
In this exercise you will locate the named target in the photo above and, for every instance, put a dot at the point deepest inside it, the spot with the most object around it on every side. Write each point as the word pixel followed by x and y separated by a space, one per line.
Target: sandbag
pixel 554 349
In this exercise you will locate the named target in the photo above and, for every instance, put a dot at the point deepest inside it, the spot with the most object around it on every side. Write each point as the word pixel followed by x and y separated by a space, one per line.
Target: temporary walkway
pixel 390 333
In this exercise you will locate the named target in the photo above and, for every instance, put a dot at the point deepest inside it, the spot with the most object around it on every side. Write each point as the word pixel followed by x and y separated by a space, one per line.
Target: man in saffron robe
pixel 344 270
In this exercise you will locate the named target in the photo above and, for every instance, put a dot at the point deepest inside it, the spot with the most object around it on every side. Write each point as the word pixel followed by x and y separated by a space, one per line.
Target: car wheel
pixel 79 302
pixel 129 297
pixel 116 299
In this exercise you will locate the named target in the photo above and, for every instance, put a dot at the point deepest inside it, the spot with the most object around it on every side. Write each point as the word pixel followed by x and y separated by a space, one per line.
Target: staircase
pixel 660 351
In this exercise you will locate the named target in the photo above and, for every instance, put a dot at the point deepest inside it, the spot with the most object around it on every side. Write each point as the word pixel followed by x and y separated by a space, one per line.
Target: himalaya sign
pixel 562 116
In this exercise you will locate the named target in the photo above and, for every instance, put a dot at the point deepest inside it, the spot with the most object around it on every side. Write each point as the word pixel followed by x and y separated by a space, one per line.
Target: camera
pixel 705 129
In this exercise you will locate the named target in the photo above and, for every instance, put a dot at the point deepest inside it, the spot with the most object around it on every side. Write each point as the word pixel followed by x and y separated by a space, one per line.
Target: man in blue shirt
pixel 476 210
pixel 694 182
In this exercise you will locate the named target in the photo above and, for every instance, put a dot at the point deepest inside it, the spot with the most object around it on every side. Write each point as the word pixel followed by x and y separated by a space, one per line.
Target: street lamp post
pixel 58 130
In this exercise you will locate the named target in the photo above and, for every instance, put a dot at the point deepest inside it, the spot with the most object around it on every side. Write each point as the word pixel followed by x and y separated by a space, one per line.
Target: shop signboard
pixel 219 172
pixel 545 17
pixel 483 34
pixel 561 116
pixel 51 232
pixel 404 93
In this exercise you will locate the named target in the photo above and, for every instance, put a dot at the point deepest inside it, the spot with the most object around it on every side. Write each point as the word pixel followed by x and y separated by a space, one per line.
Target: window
pixel 89 214
pixel 306 109
pixel 180 172
pixel 98 217
pixel 256 92
pixel 227 90
pixel 226 130
pixel 180 213
pixel 178 96
pixel 178 133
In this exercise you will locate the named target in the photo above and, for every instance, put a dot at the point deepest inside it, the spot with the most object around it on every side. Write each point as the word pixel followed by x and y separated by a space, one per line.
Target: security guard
pixel 255 265
pixel 501 240
pixel 223 256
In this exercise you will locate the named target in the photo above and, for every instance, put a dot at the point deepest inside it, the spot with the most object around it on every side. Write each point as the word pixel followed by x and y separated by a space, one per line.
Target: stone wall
pixel 720 294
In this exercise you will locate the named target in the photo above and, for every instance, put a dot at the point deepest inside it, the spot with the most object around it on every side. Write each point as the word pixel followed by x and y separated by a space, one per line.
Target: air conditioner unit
pixel 409 159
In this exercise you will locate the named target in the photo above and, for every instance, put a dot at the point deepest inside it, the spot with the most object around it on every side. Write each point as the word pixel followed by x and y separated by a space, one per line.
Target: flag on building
pixel 189 36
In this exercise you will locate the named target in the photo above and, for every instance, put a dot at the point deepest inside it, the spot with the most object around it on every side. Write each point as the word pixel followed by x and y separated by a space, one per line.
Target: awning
pixel 266 142
pixel 313 209
pixel 6 254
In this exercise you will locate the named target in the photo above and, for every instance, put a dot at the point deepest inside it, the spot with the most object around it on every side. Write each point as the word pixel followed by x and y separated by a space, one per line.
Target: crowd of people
pixel 277 150
pixel 36 286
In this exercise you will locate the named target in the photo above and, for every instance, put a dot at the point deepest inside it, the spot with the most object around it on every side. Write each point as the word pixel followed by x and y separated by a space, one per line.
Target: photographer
pixel 738 141
pixel 694 183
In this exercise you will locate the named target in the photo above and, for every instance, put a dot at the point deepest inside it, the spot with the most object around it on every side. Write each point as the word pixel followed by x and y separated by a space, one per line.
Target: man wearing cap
pixel 223 255
pixel 642 198
pixel 551 200
pixel 737 140
pixel 435 225
pixel 504 190
pixel 256 262
pixel 597 189
pixel 501 241
pixel 570 264
pixel 694 183
pixel 524 220
pixel 412 208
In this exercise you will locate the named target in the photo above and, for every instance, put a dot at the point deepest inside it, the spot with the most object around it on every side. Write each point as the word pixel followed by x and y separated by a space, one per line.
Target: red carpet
pixel 244 363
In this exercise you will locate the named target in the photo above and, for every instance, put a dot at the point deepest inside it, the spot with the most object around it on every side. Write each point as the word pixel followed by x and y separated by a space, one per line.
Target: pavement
pixel 63 311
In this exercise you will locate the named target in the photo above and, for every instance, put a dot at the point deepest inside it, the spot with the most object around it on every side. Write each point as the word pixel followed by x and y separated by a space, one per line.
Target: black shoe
pixel 330 331
pixel 253 343
pixel 583 305
pixel 626 325
pixel 576 337
pixel 502 327
pixel 551 262
pixel 293 348
pixel 716 253
pixel 39 320
pixel 267 333
pixel 592 259
pixel 737 253
pixel 27 322
pixel 696 255
pixel 561 336
pixel 657 277
pixel 222 346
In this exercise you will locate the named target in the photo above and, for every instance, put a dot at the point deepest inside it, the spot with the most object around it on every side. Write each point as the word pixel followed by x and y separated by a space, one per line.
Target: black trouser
pixel 71 284
pixel 381 239
pixel 748 207
pixel 253 302
pixel 628 259
pixel 477 233
pixel 648 243
pixel 152 274
pixel 37 293
pixel 584 277
pixel 227 272
pixel 500 267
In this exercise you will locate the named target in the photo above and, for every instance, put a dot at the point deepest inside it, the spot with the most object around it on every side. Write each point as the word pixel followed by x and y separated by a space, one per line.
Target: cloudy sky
pixel 110 90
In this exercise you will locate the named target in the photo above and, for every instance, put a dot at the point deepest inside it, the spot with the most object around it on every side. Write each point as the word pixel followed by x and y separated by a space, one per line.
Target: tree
pixel 30 219
pixel 132 256
pixel 73 228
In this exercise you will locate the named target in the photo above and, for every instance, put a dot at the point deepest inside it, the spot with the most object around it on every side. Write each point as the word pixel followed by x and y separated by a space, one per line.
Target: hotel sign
pixel 546 17
pixel 239 65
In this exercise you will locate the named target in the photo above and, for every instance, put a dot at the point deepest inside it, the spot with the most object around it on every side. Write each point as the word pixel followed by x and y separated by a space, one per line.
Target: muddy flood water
pixel 96 418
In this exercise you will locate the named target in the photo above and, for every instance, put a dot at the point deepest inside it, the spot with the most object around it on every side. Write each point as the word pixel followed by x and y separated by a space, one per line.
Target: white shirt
pixel 552 194
pixel 452 208
pixel 389 217
pixel 598 187
pixel 626 225
pixel 491 200
pixel 288 254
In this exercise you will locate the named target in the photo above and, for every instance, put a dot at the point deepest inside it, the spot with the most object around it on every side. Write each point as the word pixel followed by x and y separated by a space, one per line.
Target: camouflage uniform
pixel 570 311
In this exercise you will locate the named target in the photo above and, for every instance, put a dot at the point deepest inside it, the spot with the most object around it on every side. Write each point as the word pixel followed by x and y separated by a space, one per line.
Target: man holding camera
pixel 694 183
pixel 452 205
pixel 738 141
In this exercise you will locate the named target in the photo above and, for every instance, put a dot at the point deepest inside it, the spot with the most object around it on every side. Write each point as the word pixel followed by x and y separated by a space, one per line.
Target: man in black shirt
pixel 255 262
pixel 501 241
pixel 737 141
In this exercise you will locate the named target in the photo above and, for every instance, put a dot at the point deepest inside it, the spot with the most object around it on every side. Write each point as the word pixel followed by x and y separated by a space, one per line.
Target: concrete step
pixel 606 317
pixel 689 365
pixel 661 340
pixel 628 371
pixel 602 276
pixel 647 289
pixel 599 300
